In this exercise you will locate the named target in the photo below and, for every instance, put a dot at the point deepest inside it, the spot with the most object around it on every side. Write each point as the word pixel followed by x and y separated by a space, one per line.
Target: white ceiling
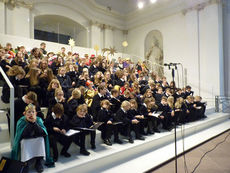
pixel 121 6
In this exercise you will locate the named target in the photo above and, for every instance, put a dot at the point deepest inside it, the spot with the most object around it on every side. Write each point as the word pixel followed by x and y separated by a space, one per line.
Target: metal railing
pixel 222 104
pixel 11 105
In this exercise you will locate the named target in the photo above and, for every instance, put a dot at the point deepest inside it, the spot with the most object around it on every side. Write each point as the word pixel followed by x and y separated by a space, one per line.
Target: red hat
pixel 88 82
pixel 92 56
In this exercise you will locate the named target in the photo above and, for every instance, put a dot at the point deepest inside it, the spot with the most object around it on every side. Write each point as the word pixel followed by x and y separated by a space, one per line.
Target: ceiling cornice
pixel 139 19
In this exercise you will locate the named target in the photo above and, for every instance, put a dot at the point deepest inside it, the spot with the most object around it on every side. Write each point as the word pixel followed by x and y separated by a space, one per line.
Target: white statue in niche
pixel 155 55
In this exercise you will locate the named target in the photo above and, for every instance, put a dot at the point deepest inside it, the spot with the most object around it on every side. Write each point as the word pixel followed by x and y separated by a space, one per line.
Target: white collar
pixel 24 99
pixel 100 95
pixel 53 115
pixel 17 78
pixel 123 110
pixel 57 100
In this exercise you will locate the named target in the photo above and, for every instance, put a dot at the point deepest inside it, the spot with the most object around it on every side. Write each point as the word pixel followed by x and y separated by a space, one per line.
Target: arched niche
pixel 154 52
pixel 59 27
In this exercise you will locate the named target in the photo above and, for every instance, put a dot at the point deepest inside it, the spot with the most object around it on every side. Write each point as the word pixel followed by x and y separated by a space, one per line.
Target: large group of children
pixel 81 92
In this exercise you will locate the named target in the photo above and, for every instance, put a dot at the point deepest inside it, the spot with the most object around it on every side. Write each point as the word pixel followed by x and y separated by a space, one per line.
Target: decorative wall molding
pixel 200 6
pixel 17 3
pixel 102 26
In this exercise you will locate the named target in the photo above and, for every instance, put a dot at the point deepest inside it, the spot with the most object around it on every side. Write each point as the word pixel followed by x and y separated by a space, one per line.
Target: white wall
pixel 95 38
pixel 180 44
pixel 18 21
pixel 108 37
pixel 118 38
pixel 226 28
pixel 82 39
pixel 50 46
pixel 210 47
pixel 2 18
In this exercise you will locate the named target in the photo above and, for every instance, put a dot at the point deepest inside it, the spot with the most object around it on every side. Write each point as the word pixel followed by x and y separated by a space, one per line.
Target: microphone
pixel 171 64
pixel 175 64
pixel 165 64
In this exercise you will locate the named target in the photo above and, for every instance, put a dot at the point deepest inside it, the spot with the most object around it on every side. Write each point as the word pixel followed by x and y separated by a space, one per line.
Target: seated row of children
pixel 118 114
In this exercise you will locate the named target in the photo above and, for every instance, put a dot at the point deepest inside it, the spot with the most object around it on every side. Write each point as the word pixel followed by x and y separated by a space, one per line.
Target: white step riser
pixel 3 105
pixel 73 148
pixel 3 118
pixel 121 157
pixel 4 137
pixel 202 126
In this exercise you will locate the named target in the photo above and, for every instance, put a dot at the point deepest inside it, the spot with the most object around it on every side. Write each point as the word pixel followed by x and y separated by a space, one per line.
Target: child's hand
pixel 109 122
pixel 56 129
pixel 63 131
pixel 135 121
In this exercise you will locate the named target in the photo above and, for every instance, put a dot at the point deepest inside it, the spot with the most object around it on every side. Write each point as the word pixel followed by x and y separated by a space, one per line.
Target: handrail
pixel 224 102
pixel 11 105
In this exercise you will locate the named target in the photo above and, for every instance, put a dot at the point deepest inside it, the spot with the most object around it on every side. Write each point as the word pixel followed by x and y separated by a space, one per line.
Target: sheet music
pixel 116 123
pixel 96 125
pixel 156 114
pixel 72 132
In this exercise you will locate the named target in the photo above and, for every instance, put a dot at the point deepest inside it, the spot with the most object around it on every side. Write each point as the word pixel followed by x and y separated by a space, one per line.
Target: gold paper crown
pixel 30 106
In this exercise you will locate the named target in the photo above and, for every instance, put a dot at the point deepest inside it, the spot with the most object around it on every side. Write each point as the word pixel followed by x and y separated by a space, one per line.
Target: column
pixel 2 18
pixel 18 21
pixel 108 36
pixel 95 34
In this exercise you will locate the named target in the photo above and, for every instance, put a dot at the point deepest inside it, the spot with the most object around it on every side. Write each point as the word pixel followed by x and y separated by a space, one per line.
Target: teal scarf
pixel 21 124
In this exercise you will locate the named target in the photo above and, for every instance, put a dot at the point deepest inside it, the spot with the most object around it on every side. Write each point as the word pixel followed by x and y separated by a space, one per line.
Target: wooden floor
pixel 216 161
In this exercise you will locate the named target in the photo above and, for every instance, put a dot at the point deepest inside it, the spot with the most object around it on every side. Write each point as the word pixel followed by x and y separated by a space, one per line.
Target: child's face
pixel 168 92
pixel 34 64
pixel 62 71
pixel 132 105
pixel 81 113
pixel 126 86
pixel 28 101
pixel 160 91
pixel 51 55
pixel 58 115
pixel 60 95
pixel 63 50
pixel 190 100
pixel 115 94
pixel 164 102
pixel 90 85
pixel 197 99
pixel 105 106
pixel 103 91
pixel 20 76
pixel 107 75
pixel 98 75
pixel 54 85
pixel 20 54
pixel 127 107
pixel 30 114
pixel 149 93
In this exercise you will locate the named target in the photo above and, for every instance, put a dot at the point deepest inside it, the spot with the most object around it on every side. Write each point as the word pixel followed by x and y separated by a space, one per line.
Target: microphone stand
pixel 173 66
pixel 175 137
